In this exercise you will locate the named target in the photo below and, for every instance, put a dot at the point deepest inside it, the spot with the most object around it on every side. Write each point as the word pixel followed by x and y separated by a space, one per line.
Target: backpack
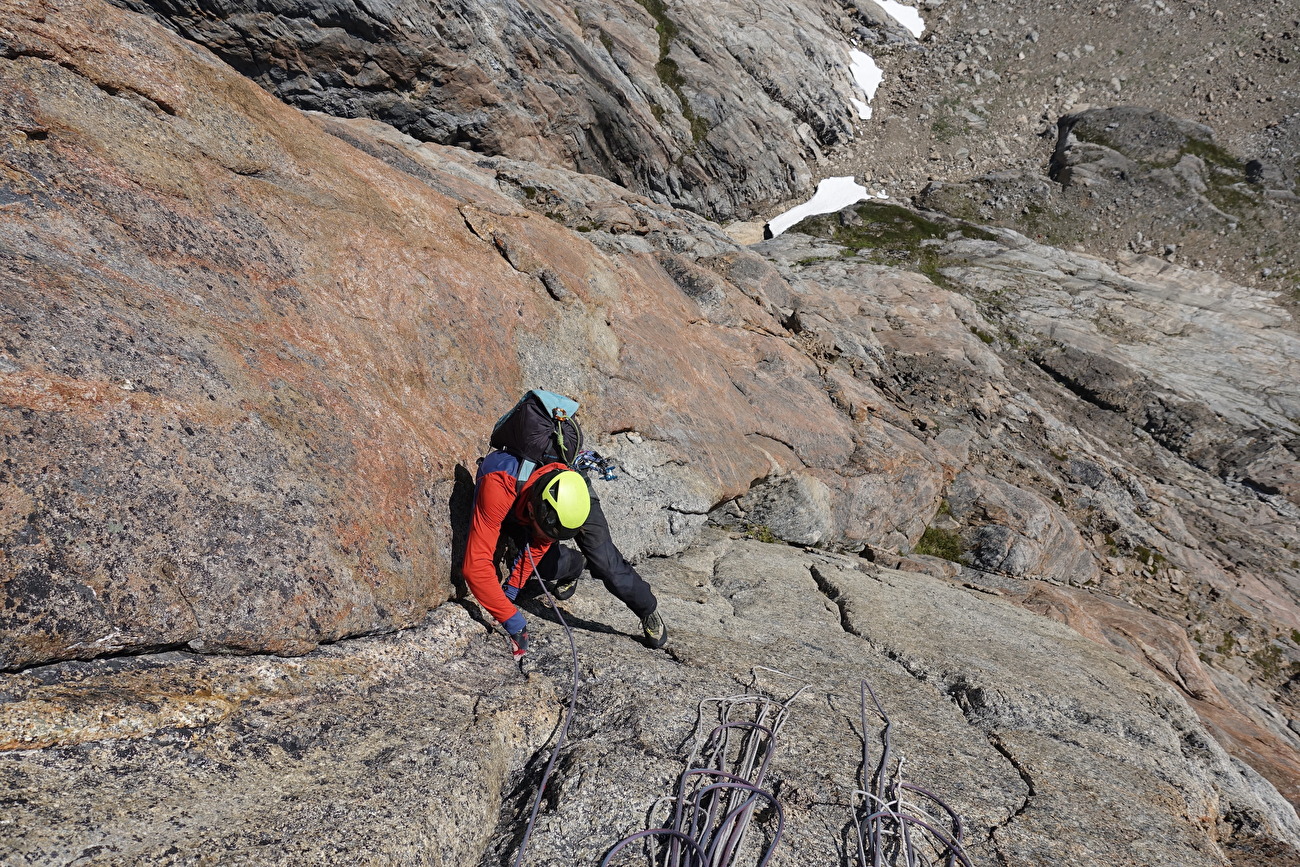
pixel 539 429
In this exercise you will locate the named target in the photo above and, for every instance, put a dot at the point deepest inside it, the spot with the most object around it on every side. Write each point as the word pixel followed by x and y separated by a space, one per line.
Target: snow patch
pixel 832 194
pixel 867 76
pixel 904 15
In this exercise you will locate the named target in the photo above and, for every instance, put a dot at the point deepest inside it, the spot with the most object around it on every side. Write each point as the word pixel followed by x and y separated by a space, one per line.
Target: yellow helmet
pixel 561 503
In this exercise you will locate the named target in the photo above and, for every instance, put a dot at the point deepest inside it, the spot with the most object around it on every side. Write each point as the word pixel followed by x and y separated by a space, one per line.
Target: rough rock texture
pixel 717 106
pixel 249 359
pixel 1019 532
pixel 396 749
pixel 1111 413
pixel 249 356
pixel 1136 180
pixel 1051 748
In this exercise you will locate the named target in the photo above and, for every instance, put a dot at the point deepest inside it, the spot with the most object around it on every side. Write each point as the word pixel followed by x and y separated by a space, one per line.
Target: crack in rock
pixel 995 741
pixel 832 593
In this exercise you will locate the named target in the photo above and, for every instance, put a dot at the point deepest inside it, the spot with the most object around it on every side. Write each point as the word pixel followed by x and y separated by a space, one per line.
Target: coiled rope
pixel 884 834
pixel 710 819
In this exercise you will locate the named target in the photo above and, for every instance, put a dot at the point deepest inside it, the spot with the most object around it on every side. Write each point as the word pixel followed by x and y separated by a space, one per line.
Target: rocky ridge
pixel 271 333
pixel 629 90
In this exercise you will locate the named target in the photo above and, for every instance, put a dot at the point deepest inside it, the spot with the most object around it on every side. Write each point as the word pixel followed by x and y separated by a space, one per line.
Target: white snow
pixel 868 77
pixel 832 194
pixel 904 15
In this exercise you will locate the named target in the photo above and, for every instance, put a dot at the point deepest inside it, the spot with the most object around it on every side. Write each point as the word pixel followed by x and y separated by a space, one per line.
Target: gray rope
pixel 568 717
pixel 891 817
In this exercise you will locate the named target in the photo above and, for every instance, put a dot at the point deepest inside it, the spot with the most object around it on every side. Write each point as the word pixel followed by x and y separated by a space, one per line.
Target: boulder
pixel 794 509
pixel 1018 532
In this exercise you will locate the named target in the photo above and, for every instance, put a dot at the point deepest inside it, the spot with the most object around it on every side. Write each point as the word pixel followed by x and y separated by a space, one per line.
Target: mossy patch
pixel 1269 660
pixel 668 71
pixel 1212 155
pixel 1227 645
pixel 1148 557
pixel 888 234
pixel 940 543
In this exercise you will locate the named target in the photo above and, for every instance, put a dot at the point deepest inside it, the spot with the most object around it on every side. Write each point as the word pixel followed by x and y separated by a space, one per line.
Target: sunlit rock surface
pixel 250 355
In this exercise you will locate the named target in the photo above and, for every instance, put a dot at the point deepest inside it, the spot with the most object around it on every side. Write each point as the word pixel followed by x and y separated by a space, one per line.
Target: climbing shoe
pixel 652 627
pixel 565 588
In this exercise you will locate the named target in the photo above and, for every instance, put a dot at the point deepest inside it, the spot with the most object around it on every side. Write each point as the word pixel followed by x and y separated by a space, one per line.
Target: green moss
pixel 1227 645
pixel 667 69
pixel 1212 155
pixel 1147 557
pixel 761 533
pixel 888 234
pixel 981 334
pixel 944 508
pixel 940 543
pixel 1269 660
pixel 945 129
pixel 530 192
pixel 1295 636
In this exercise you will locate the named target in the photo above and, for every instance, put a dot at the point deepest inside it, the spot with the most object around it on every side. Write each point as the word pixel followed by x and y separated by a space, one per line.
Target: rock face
pixel 707 106
pixel 250 355
pixel 406 747
pixel 1139 180
pixel 248 360
pixel 1131 483
pixel 227 760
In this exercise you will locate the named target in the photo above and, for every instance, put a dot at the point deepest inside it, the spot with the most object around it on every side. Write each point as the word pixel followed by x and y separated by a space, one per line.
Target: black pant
pixel 605 561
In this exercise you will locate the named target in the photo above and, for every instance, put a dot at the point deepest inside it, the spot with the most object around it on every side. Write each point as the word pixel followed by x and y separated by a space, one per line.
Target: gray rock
pixel 427 741
pixel 390 747
pixel 704 105
pixel 794 508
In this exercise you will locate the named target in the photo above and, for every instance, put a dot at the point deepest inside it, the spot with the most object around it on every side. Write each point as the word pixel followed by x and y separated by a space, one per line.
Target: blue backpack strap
pixel 502 461
pixel 521 475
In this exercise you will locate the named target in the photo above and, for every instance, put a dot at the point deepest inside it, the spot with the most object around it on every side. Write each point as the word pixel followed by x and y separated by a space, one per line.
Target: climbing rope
pixel 568 717
pixel 885 834
pixel 722 787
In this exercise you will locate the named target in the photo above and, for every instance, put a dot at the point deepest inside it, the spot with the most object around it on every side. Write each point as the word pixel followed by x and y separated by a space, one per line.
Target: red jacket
pixel 495 500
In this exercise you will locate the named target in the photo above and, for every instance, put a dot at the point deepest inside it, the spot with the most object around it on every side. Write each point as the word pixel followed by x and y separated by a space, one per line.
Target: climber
pixel 527 493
